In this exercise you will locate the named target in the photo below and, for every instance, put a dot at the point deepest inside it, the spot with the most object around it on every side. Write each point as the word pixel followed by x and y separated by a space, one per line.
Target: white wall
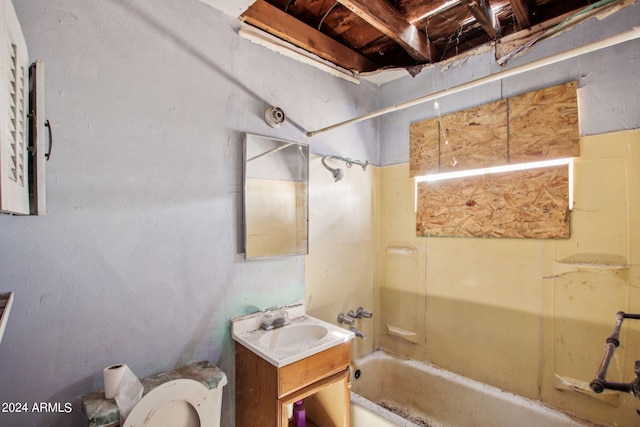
pixel 138 260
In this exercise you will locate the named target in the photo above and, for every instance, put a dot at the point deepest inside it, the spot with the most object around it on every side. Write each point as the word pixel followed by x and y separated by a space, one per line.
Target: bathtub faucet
pixel 360 313
pixel 348 319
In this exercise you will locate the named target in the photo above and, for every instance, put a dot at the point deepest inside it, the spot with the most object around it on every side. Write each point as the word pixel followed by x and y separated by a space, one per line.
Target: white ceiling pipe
pixel 572 53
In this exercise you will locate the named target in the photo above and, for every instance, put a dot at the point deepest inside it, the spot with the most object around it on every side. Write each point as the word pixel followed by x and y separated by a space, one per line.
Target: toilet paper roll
pixel 112 377
pixel 121 384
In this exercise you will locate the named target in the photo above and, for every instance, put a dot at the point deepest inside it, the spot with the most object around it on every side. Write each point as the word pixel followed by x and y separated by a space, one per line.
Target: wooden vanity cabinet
pixel 264 391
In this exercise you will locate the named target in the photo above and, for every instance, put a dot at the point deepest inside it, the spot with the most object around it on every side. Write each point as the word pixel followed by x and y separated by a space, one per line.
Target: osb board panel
pixel 423 147
pixel 539 125
pixel 524 204
pixel 544 124
pixel 474 138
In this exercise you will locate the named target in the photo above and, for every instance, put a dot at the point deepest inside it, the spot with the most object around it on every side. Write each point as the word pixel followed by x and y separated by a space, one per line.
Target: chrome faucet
pixel 342 319
pixel 271 321
pixel 358 333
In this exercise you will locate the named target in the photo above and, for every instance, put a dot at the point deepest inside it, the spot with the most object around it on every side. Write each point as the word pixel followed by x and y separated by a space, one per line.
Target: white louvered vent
pixel 22 124
pixel 17 125
pixel 14 98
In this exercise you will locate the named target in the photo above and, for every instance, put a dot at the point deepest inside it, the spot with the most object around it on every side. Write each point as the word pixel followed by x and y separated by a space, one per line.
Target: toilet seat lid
pixel 187 390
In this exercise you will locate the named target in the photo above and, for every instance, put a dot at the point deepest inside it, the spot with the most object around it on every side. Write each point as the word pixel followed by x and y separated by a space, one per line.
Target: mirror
pixel 276 200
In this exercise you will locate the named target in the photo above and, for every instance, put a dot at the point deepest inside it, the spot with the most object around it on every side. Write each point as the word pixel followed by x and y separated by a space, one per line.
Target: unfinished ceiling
pixel 369 35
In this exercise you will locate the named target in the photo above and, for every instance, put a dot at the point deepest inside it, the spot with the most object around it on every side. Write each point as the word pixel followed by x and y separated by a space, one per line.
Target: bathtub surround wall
pixel 526 316
pixel 138 259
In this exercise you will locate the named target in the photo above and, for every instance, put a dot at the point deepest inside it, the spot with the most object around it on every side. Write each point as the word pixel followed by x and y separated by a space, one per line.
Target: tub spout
pixel 358 332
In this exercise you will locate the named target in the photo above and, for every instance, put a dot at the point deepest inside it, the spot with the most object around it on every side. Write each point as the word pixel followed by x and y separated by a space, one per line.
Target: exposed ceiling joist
pixel 481 10
pixel 277 22
pixel 370 35
pixel 388 21
pixel 521 12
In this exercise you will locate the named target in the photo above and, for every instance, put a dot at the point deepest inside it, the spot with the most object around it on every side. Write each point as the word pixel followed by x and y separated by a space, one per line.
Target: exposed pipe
pixel 572 53
pixel 599 384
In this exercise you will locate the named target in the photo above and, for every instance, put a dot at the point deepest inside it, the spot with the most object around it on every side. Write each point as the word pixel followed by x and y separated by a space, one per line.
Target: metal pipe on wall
pixel 599 384
pixel 572 53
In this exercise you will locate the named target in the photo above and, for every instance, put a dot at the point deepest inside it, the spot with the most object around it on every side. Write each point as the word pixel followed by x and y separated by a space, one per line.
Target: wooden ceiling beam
pixel 521 12
pixel 279 23
pixel 388 21
pixel 481 10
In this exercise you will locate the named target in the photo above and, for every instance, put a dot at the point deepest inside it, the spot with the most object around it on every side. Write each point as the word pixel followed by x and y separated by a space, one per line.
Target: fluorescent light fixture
pixel 571 184
pixel 494 169
pixel 499 169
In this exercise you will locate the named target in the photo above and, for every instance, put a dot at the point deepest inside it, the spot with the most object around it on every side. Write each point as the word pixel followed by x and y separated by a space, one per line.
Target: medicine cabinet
pixel 276 182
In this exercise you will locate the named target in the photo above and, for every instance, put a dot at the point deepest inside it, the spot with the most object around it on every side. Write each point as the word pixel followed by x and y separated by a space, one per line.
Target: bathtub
pixel 395 392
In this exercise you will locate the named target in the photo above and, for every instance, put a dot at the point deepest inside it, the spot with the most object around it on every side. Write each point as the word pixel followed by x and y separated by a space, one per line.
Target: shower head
pixel 338 173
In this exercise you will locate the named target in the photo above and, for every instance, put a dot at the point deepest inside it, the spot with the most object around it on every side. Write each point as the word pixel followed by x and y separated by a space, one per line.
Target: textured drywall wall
pixel 138 260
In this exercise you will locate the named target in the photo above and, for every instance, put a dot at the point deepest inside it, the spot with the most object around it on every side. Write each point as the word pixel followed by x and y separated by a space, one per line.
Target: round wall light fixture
pixel 274 116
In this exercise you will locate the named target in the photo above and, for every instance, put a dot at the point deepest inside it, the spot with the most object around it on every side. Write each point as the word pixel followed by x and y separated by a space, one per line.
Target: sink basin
pixel 304 336
pixel 297 336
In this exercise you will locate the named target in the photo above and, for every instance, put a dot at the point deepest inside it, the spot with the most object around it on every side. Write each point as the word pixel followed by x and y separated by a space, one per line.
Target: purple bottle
pixel 299 416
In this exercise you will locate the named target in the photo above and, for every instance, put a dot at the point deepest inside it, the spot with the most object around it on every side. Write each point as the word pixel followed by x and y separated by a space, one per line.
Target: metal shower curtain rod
pixel 572 53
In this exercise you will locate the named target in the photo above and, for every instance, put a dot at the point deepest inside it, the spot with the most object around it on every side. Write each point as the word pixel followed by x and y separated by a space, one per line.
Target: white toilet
pixel 190 396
